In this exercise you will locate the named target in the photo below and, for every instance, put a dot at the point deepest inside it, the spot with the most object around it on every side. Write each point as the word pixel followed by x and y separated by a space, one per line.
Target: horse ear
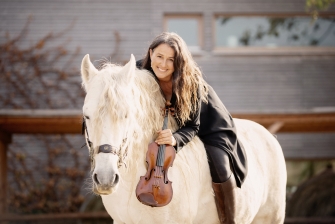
pixel 129 68
pixel 87 70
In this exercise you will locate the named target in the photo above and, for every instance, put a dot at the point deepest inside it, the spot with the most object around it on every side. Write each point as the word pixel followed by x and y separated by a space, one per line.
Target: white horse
pixel 123 111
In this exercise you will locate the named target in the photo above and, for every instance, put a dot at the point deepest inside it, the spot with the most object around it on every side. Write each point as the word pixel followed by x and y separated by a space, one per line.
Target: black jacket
pixel 215 126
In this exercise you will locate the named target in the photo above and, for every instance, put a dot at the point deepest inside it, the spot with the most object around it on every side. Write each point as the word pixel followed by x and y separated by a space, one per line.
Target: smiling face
pixel 162 58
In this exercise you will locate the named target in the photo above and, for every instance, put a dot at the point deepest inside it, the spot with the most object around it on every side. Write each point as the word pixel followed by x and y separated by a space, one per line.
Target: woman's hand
pixel 165 137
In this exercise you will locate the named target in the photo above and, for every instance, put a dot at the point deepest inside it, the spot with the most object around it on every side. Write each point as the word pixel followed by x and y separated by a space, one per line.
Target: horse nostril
pixel 116 179
pixel 95 178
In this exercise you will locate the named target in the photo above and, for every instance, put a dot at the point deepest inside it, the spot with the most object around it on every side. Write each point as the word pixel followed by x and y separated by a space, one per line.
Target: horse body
pixel 123 109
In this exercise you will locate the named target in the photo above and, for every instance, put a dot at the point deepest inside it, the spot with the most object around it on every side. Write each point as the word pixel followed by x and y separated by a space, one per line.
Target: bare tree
pixel 48 179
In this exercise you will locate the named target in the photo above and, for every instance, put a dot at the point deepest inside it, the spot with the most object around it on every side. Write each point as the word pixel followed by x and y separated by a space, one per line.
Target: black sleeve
pixel 187 132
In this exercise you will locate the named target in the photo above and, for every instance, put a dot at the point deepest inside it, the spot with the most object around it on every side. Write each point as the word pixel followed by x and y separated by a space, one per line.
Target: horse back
pixel 264 189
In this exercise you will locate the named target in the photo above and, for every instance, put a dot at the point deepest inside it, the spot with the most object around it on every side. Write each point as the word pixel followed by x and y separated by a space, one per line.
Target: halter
pixel 104 148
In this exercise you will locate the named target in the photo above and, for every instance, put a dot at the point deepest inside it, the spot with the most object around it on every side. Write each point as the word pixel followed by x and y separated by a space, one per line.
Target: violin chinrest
pixel 147 199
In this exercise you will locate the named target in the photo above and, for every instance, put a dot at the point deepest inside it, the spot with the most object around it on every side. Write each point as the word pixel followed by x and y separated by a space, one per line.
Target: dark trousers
pixel 219 164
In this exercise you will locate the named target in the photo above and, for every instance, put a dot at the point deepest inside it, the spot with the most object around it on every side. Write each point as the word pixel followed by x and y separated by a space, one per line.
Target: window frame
pixel 197 16
pixel 269 51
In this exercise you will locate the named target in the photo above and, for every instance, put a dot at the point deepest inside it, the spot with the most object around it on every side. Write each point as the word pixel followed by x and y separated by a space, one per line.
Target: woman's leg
pixel 219 164
pixel 223 184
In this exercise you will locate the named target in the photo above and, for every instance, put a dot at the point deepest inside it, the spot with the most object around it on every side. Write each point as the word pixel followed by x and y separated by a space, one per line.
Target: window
pixel 271 31
pixel 189 27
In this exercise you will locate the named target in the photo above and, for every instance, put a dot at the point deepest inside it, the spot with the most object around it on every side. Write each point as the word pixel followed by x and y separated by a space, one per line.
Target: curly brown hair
pixel 187 80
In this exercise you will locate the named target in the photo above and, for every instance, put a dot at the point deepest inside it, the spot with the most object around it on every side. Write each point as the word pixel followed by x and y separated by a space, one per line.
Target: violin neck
pixel 160 156
pixel 161 149
pixel 166 116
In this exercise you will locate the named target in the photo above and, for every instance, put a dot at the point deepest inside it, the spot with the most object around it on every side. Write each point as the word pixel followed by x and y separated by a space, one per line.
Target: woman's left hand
pixel 165 137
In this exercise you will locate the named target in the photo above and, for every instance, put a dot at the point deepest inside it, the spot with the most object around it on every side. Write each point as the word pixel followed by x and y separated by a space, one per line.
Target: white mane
pixel 137 101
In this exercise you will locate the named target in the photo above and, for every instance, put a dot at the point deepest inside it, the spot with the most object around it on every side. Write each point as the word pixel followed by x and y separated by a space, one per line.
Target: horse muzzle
pixel 105 174
pixel 105 186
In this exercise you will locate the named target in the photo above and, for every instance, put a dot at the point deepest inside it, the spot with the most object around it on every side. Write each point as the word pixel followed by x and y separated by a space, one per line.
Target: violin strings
pixel 161 154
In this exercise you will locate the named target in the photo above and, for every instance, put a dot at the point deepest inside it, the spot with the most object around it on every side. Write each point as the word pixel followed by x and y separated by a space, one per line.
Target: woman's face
pixel 162 58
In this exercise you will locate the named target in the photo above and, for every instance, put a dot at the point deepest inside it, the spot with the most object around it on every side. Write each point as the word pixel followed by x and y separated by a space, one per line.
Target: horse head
pixel 114 116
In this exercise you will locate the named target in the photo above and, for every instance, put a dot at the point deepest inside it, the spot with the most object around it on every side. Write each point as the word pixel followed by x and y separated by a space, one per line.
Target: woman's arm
pixel 183 135
pixel 186 133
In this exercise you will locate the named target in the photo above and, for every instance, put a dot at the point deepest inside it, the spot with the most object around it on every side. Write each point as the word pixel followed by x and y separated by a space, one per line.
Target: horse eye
pixel 87 117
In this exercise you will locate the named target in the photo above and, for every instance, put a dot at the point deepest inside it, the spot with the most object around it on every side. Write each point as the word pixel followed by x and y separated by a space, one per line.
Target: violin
pixel 154 189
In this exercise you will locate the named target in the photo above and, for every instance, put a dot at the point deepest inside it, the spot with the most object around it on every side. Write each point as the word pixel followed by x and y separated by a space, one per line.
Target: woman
pixel 198 111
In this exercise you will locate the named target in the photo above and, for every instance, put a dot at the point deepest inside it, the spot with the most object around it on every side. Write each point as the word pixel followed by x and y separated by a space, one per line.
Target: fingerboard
pixel 161 149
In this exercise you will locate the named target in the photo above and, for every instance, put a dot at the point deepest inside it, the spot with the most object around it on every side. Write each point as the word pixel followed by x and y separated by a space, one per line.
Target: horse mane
pixel 135 99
